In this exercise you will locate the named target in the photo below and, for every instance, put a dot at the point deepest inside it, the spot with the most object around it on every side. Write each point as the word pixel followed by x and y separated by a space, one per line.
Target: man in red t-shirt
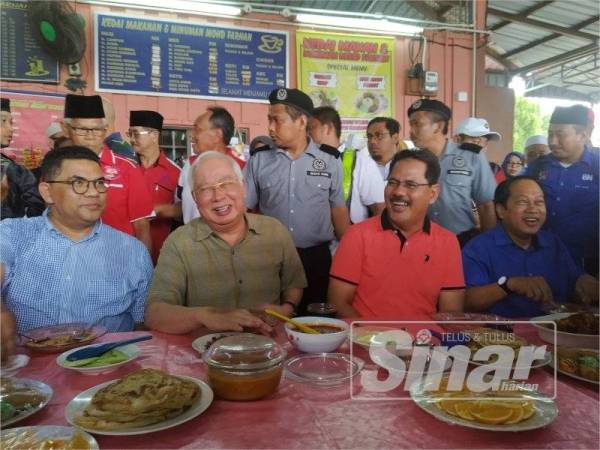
pixel 212 130
pixel 161 174
pixel 129 204
pixel 400 265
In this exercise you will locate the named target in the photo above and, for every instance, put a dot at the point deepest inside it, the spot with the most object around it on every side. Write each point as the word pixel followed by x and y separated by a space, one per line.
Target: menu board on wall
pixel 352 73
pixel 160 57
pixel 21 57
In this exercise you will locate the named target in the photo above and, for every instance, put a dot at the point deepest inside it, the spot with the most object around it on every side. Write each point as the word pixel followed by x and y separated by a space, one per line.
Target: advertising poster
pixel 21 57
pixel 159 57
pixel 352 73
pixel 32 114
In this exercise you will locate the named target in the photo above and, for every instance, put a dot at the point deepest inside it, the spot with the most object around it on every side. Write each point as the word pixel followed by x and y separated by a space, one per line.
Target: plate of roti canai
pixel 144 401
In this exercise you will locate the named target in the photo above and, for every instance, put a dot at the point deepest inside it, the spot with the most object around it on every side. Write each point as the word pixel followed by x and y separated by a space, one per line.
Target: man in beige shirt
pixel 216 268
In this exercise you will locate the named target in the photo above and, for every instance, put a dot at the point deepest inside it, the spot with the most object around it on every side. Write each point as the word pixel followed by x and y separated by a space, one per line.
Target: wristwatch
pixel 293 305
pixel 503 283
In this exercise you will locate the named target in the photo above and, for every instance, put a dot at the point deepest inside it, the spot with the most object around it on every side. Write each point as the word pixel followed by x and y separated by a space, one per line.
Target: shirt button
pixel 562 184
pixel 292 211
pixel 292 178
pixel 292 229
pixel 68 277
pixel 558 199
pixel 318 185
pixel 553 213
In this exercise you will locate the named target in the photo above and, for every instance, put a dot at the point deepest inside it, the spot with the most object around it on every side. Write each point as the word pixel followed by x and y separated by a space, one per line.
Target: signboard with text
pixel 159 57
pixel 21 57
pixel 352 73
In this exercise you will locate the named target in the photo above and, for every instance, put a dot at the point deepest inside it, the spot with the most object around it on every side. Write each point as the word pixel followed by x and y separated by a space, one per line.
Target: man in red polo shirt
pixel 129 204
pixel 161 174
pixel 400 265
pixel 212 130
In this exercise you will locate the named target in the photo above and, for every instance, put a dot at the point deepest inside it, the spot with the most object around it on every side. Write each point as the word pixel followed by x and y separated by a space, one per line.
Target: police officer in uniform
pixel 300 184
pixel 465 176
pixel 569 177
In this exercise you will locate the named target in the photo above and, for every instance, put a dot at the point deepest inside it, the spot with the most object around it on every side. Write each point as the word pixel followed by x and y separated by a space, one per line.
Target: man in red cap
pixel 161 174
pixel 129 204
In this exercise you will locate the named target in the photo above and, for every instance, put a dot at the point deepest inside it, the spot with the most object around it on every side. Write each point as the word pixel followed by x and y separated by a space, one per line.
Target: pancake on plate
pixel 141 398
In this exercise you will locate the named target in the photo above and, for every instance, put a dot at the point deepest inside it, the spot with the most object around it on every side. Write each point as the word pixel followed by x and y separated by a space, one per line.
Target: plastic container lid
pixel 244 351
pixel 323 369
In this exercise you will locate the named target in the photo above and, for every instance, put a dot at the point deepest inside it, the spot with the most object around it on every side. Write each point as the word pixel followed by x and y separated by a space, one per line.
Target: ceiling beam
pixel 556 59
pixel 537 6
pixel 543 25
pixel 550 37
pixel 500 58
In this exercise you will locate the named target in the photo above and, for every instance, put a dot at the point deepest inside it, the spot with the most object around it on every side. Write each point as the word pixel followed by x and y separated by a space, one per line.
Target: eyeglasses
pixel 137 133
pixel 410 185
pixel 82 131
pixel 377 136
pixel 81 185
pixel 226 187
pixel 517 164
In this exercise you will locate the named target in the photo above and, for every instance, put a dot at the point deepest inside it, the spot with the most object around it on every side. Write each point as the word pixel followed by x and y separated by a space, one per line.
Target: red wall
pixel 445 54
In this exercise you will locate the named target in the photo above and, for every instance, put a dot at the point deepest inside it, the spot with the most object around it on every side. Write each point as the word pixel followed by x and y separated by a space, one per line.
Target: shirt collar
pixel 203 231
pixel 107 156
pixel 386 224
pixel 586 157
pixel 50 227
pixel 160 161
pixel 502 238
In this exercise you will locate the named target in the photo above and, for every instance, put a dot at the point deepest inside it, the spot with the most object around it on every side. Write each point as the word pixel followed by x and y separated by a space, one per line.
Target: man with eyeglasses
pixel 300 183
pixel 67 265
pixel 19 195
pixel 129 203
pixel 383 135
pixel 160 173
pixel 217 269
pixel 400 265
pixel 212 130
pixel 466 176
pixel 517 269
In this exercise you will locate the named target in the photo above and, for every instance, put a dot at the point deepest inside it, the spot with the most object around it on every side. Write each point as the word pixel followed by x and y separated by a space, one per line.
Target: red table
pixel 298 416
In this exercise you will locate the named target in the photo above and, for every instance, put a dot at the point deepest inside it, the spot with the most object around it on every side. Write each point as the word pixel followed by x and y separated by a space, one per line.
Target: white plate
pixel 14 363
pixel 42 388
pixel 131 350
pixel 200 343
pixel 51 432
pixel 78 404
pixel 534 365
pixel 365 336
pixel 545 412
pixel 563 339
pixel 572 375
pixel 323 369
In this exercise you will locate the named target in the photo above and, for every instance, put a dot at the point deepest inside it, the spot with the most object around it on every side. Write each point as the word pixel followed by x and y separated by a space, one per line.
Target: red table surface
pixel 299 416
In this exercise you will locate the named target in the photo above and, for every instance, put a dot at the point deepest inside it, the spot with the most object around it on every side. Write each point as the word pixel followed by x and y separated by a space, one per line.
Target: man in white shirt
pixel 383 136
pixel 363 185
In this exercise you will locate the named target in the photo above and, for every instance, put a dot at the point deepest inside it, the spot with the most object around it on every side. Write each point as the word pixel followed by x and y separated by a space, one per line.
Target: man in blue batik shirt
pixel 516 269
pixel 66 265
pixel 569 177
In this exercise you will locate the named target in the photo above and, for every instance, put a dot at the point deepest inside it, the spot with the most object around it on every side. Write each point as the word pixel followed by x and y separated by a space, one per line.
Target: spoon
pixel 300 326
pixel 97 350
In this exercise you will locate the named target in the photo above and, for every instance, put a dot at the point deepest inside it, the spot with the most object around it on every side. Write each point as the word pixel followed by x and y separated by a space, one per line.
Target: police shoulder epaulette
pixel 330 150
pixel 262 149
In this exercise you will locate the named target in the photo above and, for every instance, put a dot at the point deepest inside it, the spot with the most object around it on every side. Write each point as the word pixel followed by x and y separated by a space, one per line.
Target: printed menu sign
pixel 21 57
pixel 352 73
pixel 160 57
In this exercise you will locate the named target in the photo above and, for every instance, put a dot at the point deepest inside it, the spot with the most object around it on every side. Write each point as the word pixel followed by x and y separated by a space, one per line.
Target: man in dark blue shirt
pixel 569 177
pixel 516 269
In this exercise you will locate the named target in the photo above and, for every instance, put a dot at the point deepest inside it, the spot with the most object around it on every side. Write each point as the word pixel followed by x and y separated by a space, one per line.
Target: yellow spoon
pixel 298 325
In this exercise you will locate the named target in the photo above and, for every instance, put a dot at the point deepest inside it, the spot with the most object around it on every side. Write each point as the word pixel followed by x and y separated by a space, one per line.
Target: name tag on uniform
pixel 315 173
pixel 467 173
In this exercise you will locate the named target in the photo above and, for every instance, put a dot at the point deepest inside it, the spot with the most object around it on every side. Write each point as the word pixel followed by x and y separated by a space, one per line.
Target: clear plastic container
pixel 244 367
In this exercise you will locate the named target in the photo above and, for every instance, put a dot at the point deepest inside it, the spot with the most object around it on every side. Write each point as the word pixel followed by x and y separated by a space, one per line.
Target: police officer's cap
pixel 572 115
pixel 293 97
pixel 432 106
pixel 83 107
pixel 5 104
pixel 148 119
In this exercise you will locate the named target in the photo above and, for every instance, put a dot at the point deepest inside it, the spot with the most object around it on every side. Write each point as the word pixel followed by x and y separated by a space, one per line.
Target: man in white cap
pixel 54 132
pixel 474 134
pixel 536 146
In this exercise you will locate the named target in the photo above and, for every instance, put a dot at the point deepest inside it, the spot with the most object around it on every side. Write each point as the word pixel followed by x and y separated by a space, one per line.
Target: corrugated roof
pixel 560 65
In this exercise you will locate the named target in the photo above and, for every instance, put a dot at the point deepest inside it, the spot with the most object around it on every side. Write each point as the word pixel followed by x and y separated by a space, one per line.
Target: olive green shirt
pixel 197 268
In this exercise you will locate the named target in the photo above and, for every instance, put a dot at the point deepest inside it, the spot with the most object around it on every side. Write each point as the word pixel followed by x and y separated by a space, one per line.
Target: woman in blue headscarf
pixel 513 164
